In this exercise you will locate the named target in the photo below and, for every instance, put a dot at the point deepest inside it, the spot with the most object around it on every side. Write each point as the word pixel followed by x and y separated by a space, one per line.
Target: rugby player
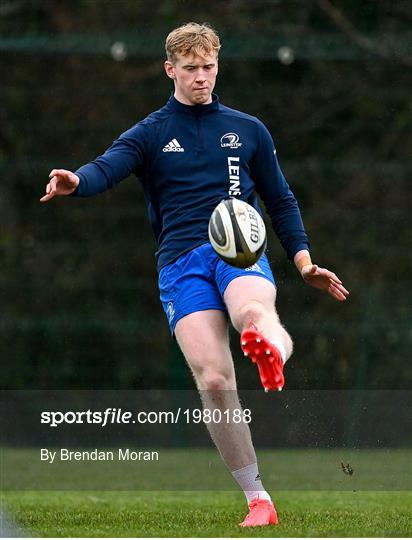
pixel 189 155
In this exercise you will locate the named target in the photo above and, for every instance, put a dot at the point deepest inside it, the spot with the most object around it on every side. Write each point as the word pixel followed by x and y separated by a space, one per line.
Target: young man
pixel 191 154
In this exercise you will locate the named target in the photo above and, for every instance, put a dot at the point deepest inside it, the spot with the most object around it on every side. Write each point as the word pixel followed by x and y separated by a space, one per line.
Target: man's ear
pixel 170 70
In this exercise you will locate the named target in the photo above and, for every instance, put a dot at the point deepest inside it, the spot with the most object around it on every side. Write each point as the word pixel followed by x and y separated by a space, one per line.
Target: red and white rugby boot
pixel 267 357
pixel 261 512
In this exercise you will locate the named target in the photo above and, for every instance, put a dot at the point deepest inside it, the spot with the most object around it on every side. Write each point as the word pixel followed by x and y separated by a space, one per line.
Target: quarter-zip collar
pixel 195 110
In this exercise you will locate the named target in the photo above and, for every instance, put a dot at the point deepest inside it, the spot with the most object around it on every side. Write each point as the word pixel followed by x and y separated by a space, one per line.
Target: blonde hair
pixel 192 38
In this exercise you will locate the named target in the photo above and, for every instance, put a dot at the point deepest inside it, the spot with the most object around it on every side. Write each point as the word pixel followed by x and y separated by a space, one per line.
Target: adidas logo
pixel 254 268
pixel 173 146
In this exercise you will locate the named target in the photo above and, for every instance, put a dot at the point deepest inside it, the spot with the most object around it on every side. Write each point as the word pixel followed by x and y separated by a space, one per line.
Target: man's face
pixel 194 77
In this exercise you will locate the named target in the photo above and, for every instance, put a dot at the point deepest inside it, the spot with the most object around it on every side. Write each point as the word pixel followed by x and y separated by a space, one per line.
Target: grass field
pixel 312 495
pixel 200 514
pixel 202 469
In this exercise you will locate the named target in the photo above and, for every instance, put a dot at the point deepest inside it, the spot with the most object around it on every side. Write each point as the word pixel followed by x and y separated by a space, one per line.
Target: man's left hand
pixel 324 279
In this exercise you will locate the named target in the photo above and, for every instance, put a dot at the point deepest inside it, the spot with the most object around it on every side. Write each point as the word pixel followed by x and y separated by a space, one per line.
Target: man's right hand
pixel 61 182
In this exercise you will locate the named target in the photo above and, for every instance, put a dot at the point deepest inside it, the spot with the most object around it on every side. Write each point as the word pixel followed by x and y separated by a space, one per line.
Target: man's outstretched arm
pixel 321 278
pixel 125 155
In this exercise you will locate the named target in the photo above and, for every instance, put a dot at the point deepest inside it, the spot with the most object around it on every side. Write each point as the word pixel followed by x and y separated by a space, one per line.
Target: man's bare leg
pixel 251 301
pixel 204 340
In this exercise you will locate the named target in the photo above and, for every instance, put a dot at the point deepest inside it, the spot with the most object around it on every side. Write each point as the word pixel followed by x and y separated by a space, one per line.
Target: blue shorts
pixel 197 280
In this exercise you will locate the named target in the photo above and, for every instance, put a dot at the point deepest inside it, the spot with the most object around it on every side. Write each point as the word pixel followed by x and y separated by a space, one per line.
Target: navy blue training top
pixel 189 158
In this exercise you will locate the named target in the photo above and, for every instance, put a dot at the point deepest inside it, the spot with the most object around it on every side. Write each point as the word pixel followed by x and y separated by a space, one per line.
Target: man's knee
pixel 216 382
pixel 214 379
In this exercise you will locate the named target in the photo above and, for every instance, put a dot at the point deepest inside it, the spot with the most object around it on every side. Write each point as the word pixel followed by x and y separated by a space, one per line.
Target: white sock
pixel 249 480
pixel 281 349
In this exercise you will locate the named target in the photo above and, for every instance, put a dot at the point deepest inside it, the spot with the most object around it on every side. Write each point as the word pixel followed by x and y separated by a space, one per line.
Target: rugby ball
pixel 237 233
